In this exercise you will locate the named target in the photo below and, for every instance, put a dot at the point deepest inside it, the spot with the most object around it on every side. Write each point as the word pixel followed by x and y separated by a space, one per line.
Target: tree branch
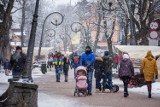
pixel 16 10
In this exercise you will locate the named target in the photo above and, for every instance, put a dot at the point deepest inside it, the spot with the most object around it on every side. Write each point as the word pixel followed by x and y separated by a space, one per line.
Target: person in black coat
pixel 99 74
pixel 66 67
pixel 17 62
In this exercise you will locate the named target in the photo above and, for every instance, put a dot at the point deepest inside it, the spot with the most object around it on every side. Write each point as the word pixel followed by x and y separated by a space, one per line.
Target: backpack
pixel 76 59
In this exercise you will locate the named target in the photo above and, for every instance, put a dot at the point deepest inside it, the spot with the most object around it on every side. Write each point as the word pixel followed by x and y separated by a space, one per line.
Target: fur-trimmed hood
pixel 99 59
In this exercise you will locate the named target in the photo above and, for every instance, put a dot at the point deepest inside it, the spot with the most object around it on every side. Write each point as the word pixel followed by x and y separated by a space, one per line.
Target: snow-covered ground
pixel 58 101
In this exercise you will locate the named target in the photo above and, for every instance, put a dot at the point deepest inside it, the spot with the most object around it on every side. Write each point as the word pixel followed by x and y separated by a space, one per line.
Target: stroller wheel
pixel 115 88
pixel 85 93
pixel 78 94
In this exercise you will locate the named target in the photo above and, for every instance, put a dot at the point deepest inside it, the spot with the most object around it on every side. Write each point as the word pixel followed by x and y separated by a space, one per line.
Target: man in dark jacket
pixel 87 60
pixel 126 71
pixel 17 62
pixel 107 63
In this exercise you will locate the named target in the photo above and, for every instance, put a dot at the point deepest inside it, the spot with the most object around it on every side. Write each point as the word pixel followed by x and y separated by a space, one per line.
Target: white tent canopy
pixel 138 52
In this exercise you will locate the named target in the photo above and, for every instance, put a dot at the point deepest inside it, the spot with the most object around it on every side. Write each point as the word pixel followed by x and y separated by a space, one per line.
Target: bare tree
pixel 5 25
pixel 140 13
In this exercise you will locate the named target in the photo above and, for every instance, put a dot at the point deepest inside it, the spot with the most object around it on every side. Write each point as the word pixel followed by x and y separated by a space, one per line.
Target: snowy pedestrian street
pixel 53 94
pixel 61 94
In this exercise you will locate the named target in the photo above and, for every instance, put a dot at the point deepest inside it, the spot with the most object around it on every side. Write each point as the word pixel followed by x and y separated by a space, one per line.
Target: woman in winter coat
pixel 149 69
pixel 126 71
pixel 66 67
pixel 99 73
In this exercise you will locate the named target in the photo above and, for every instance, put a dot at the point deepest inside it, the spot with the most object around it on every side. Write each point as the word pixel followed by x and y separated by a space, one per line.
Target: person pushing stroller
pixel 87 60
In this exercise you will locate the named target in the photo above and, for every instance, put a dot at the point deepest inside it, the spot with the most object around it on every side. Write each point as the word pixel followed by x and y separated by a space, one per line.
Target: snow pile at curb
pixel 36 73
pixel 4 78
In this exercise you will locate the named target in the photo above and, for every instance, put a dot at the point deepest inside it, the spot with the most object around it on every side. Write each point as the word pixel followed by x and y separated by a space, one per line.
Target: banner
pixel 75 38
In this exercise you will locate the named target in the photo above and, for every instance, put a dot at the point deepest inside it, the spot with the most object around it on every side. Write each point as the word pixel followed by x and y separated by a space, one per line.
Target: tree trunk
pixel 98 32
pixel 109 38
pixel 4 31
pixel 109 41
pixel 143 35
pixel 126 32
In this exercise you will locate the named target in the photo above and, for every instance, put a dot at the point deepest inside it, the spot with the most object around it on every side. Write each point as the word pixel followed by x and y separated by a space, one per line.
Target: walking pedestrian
pixel 58 62
pixel 126 71
pixel 107 63
pixel 87 60
pixel 75 61
pixel 99 74
pixel 66 67
pixel 7 67
pixel 49 63
pixel 150 71
pixel 17 62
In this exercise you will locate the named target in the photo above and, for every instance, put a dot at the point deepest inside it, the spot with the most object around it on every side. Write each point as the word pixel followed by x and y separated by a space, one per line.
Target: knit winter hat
pixel 125 56
pixel 88 47
pixel 18 48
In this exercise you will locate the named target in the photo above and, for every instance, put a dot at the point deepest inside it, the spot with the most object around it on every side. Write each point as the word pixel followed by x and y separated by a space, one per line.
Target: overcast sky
pixel 60 2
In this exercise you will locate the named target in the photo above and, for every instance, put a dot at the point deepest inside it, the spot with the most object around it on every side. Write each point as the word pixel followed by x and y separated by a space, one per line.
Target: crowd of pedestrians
pixel 99 66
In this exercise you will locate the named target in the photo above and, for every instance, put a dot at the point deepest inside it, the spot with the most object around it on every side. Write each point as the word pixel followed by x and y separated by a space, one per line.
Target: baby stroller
pixel 81 81
pixel 137 81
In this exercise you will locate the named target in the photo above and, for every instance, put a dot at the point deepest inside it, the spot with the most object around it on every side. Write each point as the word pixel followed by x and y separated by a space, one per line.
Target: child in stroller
pixel 81 81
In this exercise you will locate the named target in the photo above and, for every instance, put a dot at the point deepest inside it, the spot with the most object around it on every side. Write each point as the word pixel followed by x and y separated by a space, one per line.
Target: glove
pixel 156 77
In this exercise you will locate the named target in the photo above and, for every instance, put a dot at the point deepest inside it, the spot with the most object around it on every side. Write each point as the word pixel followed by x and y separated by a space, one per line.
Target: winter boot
pixel 100 89
pixel 149 95
pixel 66 78
pixel 126 94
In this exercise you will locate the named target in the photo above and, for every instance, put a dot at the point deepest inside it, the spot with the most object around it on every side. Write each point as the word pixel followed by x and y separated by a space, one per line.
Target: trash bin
pixel 43 68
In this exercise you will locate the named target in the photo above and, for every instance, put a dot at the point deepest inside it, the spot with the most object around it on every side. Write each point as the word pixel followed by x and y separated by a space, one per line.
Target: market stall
pixel 137 53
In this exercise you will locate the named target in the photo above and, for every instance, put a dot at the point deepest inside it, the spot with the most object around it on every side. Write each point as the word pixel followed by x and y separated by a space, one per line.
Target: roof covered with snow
pixel 138 52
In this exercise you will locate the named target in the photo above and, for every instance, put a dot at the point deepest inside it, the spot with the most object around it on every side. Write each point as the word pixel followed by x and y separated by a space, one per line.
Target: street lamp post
pixel 50 35
pixel 57 20
pixel 28 68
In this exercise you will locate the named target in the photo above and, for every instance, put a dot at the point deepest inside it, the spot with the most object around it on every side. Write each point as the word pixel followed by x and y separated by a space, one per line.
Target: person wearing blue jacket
pixel 87 60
